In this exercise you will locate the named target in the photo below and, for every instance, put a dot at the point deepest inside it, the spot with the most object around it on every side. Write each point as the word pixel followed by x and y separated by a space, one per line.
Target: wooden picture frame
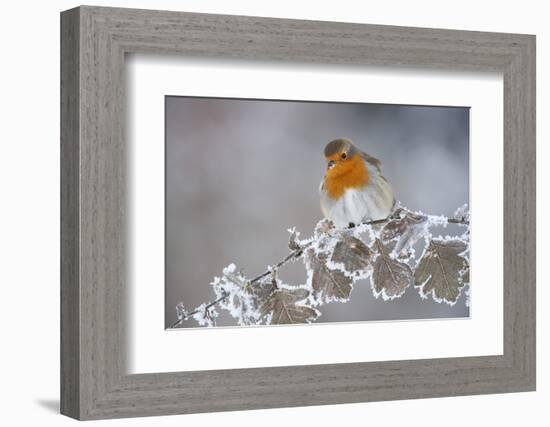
pixel 94 41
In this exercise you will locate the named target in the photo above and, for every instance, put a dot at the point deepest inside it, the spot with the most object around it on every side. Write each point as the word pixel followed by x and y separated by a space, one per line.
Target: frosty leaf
pixel 284 308
pixel 397 226
pixel 406 229
pixel 231 289
pixel 438 271
pixel 260 291
pixel 352 253
pixel 293 243
pixel 323 227
pixel 390 277
pixel 327 284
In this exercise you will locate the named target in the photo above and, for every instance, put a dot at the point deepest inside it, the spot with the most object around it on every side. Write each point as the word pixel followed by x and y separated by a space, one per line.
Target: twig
pixel 291 256
pixel 206 307
pixel 458 221
pixel 294 255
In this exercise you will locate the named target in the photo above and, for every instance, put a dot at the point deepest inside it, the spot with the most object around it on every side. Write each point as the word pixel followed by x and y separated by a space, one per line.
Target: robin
pixel 353 190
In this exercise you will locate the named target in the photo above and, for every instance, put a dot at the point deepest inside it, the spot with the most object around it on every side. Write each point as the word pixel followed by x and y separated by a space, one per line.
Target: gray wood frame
pixel 94 383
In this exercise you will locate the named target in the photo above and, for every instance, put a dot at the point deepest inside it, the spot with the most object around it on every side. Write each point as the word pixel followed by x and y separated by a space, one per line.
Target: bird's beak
pixel 330 164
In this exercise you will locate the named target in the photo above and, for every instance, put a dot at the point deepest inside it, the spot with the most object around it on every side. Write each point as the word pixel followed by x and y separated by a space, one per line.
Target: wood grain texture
pixel 94 382
pixel 70 307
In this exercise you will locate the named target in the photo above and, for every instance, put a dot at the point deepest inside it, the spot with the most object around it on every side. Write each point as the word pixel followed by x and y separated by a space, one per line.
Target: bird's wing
pixel 377 164
pixel 372 160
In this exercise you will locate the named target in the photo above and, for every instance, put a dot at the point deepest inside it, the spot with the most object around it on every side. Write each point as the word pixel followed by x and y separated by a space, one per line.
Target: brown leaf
pixel 405 230
pixel 397 226
pixel 282 305
pixel 327 284
pixel 439 270
pixel 323 227
pixel 390 276
pixel 352 253
pixel 260 291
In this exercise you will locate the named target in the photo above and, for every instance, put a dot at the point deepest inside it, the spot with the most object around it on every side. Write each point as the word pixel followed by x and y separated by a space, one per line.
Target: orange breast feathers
pixel 346 173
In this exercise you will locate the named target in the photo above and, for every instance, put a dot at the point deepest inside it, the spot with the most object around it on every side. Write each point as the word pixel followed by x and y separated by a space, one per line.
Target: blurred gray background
pixel 239 173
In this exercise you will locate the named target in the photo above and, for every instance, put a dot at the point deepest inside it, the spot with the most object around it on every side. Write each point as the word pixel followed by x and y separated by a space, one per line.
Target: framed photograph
pixel 279 213
pixel 270 170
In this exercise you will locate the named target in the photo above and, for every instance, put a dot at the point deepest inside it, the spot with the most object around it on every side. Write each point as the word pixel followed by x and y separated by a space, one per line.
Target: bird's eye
pixel 344 155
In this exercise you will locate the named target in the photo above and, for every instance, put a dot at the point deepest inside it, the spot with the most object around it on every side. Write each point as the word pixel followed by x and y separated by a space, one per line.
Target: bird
pixel 353 190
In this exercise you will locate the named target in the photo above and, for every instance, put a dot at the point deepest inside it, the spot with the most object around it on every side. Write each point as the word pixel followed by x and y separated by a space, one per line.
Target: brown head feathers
pixel 336 147
pixel 339 145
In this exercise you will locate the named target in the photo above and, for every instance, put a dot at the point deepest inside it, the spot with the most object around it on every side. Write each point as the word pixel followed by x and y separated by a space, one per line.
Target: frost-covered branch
pixel 382 251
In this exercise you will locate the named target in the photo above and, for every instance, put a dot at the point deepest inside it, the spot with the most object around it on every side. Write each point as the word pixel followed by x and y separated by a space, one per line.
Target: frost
pixel 406 230
pixel 232 289
pixel 230 269
pixel 206 316
pixel 439 271
pixel 383 251
pixel 180 311
pixel 326 284
pixel 390 277
pixel 293 241
pixel 289 306
pixel 351 256
pixel 462 213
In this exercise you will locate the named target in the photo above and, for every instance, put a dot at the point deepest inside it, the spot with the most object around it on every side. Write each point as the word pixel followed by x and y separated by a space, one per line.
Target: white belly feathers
pixel 372 202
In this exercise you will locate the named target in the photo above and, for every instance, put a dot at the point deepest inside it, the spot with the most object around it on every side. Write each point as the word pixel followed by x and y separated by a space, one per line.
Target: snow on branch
pixel 383 251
